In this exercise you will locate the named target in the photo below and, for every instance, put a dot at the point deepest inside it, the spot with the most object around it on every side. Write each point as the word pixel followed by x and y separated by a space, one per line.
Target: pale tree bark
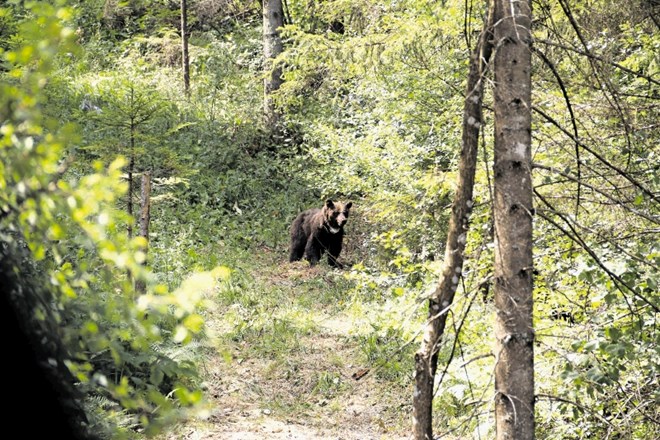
pixel 145 204
pixel 273 20
pixel 514 333
pixel 426 358
pixel 184 47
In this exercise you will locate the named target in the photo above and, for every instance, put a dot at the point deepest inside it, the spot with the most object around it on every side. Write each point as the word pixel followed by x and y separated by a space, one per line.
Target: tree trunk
pixel 514 333
pixel 273 20
pixel 184 49
pixel 145 218
pixel 426 358
pixel 131 170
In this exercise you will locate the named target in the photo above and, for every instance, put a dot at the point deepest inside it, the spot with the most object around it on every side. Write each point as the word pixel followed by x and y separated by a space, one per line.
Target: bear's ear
pixel 329 204
pixel 348 205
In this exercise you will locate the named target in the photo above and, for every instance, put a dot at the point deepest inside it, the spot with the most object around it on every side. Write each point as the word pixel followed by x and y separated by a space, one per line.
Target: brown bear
pixel 318 230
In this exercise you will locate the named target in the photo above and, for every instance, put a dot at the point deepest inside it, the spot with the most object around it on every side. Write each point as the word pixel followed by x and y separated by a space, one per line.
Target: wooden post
pixel 145 216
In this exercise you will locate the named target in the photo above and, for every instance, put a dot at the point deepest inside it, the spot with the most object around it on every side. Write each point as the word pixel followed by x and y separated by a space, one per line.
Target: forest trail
pixel 285 369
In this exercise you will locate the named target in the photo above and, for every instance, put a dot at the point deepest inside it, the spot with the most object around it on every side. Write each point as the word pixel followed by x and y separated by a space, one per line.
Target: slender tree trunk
pixel 287 13
pixel 131 170
pixel 184 49
pixel 514 333
pixel 145 218
pixel 426 358
pixel 273 20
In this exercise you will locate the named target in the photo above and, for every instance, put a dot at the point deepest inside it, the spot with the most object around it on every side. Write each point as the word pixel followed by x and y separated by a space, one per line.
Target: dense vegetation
pixel 91 97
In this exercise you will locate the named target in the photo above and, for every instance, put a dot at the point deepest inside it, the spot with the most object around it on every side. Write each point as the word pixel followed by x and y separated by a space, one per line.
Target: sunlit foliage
pixel 119 346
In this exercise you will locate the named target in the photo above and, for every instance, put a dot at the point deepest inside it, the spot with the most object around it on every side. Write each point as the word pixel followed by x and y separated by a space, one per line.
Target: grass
pixel 286 344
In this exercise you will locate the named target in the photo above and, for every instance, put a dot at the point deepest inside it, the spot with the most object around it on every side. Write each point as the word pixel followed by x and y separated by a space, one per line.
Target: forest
pixel 482 262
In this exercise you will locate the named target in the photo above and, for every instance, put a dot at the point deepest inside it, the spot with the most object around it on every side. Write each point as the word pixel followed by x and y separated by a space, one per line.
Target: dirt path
pixel 309 396
pixel 290 372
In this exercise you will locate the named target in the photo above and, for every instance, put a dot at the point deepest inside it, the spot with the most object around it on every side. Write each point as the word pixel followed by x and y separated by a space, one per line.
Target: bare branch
pixel 598 156
pixel 605 80
pixel 575 129
pixel 602 60
pixel 577 405
pixel 457 332
pixel 618 202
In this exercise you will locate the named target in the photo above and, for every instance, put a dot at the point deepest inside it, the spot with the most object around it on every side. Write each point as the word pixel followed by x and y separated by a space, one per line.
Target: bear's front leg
pixel 312 250
pixel 333 253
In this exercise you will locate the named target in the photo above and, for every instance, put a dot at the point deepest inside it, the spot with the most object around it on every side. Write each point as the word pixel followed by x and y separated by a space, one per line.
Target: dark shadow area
pixel 39 396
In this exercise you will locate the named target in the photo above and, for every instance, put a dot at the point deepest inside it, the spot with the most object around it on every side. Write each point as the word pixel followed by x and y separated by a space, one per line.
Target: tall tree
pixel 273 20
pixel 426 358
pixel 514 333
pixel 184 47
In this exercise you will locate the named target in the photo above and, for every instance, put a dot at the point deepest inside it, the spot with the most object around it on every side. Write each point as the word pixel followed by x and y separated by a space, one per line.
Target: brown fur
pixel 316 231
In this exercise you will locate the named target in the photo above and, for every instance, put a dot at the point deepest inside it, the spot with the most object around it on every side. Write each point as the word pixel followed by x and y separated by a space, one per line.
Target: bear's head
pixel 335 215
